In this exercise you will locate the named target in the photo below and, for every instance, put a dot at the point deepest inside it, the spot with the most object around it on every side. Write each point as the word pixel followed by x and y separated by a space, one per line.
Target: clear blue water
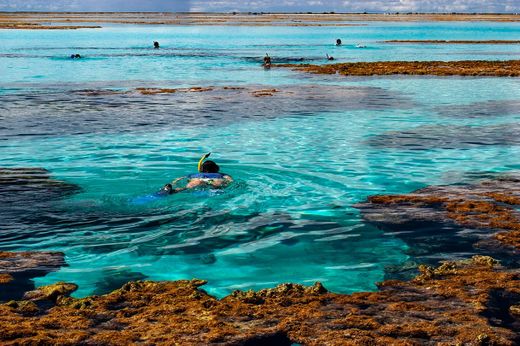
pixel 301 158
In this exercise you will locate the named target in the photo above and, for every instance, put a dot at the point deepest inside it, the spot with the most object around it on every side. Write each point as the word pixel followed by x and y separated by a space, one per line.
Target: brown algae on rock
pixel 507 68
pixel 453 303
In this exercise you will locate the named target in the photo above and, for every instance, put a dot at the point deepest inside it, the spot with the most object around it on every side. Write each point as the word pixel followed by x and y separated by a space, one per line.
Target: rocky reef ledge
pixel 17 269
pixel 484 211
pixel 508 68
pixel 474 302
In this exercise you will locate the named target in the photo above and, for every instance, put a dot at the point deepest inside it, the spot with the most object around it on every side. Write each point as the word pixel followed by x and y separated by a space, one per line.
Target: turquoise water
pixel 300 158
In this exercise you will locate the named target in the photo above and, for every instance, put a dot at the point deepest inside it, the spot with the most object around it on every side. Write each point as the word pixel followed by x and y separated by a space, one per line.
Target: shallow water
pixel 301 158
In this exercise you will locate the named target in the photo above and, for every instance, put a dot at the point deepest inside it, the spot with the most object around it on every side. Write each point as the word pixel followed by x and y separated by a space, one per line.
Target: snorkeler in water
pixel 330 58
pixel 208 176
pixel 267 61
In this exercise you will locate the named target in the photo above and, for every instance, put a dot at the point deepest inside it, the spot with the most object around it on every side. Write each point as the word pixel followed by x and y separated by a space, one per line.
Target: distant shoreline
pixel 63 20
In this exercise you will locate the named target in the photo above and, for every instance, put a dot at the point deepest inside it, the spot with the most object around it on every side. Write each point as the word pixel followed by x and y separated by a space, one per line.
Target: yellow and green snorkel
pixel 201 161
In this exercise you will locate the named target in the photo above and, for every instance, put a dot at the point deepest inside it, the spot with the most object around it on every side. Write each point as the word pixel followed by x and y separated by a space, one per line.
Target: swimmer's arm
pixel 177 180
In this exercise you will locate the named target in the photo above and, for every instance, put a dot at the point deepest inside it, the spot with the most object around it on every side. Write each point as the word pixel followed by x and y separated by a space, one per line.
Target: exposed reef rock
pixel 474 302
pixel 18 268
pixel 264 92
pixel 51 292
pixel 154 91
pixel 38 26
pixel 455 219
pixel 509 68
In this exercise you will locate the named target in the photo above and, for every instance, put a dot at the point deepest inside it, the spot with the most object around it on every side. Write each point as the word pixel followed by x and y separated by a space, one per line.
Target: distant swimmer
pixel 330 57
pixel 75 56
pixel 208 176
pixel 267 61
pixel 155 44
pixel 338 42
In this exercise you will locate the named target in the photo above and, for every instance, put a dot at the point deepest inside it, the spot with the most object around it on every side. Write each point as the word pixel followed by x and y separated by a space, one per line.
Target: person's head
pixel 338 41
pixel 209 167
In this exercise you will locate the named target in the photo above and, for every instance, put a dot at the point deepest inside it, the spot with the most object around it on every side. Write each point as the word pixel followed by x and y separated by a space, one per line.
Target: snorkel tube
pixel 201 161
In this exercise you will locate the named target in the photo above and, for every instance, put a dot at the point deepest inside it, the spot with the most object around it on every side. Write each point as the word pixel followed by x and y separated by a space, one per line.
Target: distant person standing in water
pixel 155 44
pixel 330 57
pixel 267 61
pixel 338 42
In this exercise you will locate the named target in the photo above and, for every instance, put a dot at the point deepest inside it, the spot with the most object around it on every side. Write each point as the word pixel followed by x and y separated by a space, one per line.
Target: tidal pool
pixel 301 157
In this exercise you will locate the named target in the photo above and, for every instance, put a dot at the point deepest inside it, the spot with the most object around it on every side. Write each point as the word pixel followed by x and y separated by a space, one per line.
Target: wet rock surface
pixel 453 220
pixel 509 68
pixel 18 268
pixel 470 302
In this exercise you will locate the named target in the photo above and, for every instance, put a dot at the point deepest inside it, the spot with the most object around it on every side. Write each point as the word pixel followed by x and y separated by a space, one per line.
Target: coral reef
pixel 23 262
pixel 472 302
pixel 264 92
pixel 442 136
pixel 508 68
pixel 484 209
pixel 38 26
pixel 155 91
pixel 31 180
pixel 18 268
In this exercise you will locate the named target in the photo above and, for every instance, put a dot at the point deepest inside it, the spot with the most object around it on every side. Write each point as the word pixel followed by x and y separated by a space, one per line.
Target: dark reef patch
pixel 18 268
pixel 34 182
pixel 453 221
pixel 26 197
pixel 448 137
pixel 91 110
pixel 481 109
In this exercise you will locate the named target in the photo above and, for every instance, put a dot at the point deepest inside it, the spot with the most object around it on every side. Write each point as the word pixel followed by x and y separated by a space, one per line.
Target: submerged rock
pixel 32 182
pixel 18 268
pixel 457 219
pixel 430 137
pixel 469 302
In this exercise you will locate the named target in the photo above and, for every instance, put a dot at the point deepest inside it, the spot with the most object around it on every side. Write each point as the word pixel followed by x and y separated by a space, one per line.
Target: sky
pixel 505 6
